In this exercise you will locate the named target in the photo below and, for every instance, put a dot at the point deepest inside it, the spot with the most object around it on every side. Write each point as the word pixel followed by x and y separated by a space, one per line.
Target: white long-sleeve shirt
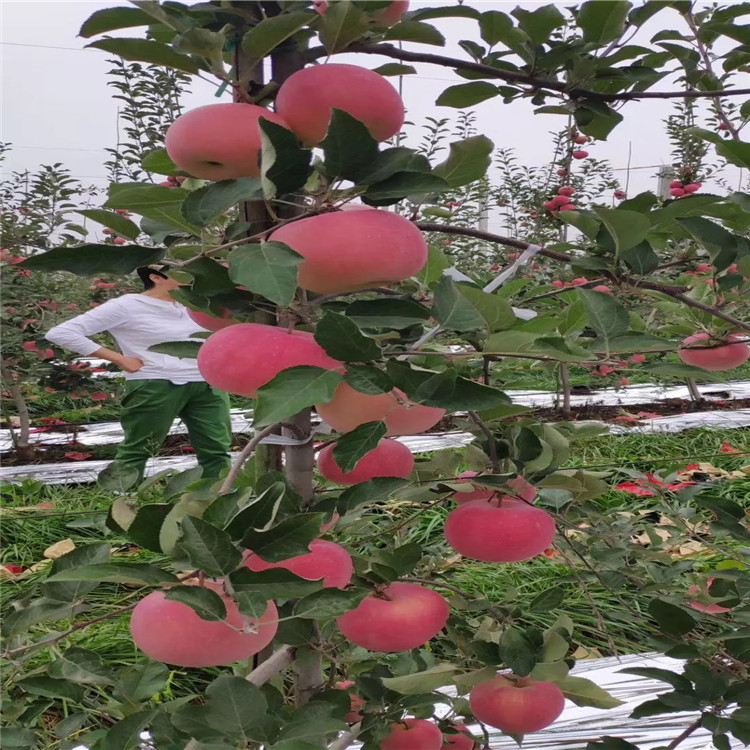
pixel 136 322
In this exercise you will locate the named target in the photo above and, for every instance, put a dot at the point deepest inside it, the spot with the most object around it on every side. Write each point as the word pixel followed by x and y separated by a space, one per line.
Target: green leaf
pixel 631 342
pixel 497 312
pixel 446 391
pixel 180 349
pixel 271 32
pixel 289 538
pixel 269 269
pixel 111 19
pixel 81 666
pixel 585 223
pixel 467 94
pixel 284 165
pixel 613 743
pixel 677 681
pixel 144 50
pixel 328 603
pixel 373 491
pixel 209 549
pixel 605 314
pixel 158 161
pixel 274 583
pixel 494 26
pixel 583 692
pixel 126 734
pixel 415 31
pixel 517 651
pixel 603 22
pixel 453 310
pixel 355 445
pixel 368 379
pixel 391 161
pixel 141 681
pixel 87 260
pixel 86 554
pixel 205 204
pixel 547 599
pixel 628 228
pixel 342 23
pixel 162 204
pixel 640 259
pixel 144 528
pixel 395 69
pixel 39 610
pixel 204 43
pixel 49 687
pixel 467 161
pixel 403 184
pixel 348 148
pixel 539 23
pixel 422 682
pixel 670 618
pixel 596 123
pixel 292 390
pixel 119 223
pixel 342 339
pixel 18 737
pixel 437 262
pixel 387 313
pixel 139 574
pixel 207 604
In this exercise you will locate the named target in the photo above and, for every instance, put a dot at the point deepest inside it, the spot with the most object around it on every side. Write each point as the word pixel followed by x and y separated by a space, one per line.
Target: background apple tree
pixel 435 339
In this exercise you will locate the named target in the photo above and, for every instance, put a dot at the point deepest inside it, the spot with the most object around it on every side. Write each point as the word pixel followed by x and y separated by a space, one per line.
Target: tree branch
pixel 243 456
pixel 278 661
pixel 684 735
pixel 511 76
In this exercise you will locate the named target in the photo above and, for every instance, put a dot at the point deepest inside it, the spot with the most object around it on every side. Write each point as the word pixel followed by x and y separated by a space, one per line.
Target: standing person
pixel 158 387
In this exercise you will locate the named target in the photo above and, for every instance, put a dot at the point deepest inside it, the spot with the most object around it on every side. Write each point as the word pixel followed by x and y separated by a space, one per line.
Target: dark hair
pixel 145 273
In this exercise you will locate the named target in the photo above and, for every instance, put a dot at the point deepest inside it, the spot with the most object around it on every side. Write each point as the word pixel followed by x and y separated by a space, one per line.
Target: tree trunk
pixel 23 449
pixel 692 386
pixel 565 386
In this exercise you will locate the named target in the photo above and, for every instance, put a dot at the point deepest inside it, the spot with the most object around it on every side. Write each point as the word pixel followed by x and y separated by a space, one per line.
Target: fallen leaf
pixel 58 549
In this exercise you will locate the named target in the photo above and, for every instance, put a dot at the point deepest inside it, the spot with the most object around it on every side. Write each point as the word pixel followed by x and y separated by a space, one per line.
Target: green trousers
pixel 148 409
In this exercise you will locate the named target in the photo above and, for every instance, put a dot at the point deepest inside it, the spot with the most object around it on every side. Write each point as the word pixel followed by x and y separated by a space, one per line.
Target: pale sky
pixel 56 106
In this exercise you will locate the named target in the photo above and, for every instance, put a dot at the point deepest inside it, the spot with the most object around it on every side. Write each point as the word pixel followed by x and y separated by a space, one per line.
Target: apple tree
pixel 334 621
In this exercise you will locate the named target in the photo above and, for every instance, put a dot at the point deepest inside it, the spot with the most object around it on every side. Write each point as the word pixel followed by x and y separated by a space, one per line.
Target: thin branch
pixel 277 662
pixel 22 439
pixel 389 50
pixel 684 735
pixel 492 445
pixel 244 455
pixel 346 739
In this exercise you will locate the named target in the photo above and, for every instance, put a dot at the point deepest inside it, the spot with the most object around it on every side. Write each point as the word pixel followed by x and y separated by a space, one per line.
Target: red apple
pixel 355 702
pixel 387 17
pixel 172 632
pixel 580 154
pixel 212 322
pixel 560 200
pixel 569 207
pixel 677 192
pixel 508 533
pixel 119 240
pixel 730 353
pixel 516 706
pixel 692 187
pixel 413 734
pixel 601 288
pixel 219 141
pixel 401 617
pixel 620 195
pixel 326 560
pixel 550 205
pixel 567 190
pixel 714 609
pixel 388 459
pixel 561 172
pixel 345 251
pixel 243 357
pixel 460 741
pixel 580 139
pixel 365 95
pixel 558 283
pixel 675 184
pixel 349 408
pixel 579 280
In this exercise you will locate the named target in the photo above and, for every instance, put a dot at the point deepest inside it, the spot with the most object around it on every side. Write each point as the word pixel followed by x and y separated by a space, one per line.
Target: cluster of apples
pixel 681 188
pixel 562 201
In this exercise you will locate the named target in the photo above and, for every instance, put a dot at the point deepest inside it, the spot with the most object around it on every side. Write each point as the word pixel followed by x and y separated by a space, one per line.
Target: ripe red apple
pixel 581 139
pixel 714 609
pixel 560 200
pixel 508 533
pixel 620 195
pixel 561 172
pixel 388 459
pixel 219 141
pixel 569 207
pixel 107 230
pixel 579 280
pixel 326 560
pixel 601 288
pixel 119 240
pixel 401 617
pixel 558 283
pixel 550 205
pixel 387 17
pixel 461 741
pixel 675 184
pixel 349 408
pixel 365 95
pixel 677 192
pixel 480 493
pixel 243 357
pixel 345 251
pixel 730 354
pixel 566 190
pixel 413 734
pixel 693 187
pixel 516 706
pixel 580 154
pixel 355 702
pixel 172 632
pixel 212 322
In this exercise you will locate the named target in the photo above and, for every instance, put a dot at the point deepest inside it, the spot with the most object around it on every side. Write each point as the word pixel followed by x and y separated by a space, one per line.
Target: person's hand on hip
pixel 129 364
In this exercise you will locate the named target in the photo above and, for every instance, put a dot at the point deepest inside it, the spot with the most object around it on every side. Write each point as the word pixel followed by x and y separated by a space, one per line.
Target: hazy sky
pixel 56 106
